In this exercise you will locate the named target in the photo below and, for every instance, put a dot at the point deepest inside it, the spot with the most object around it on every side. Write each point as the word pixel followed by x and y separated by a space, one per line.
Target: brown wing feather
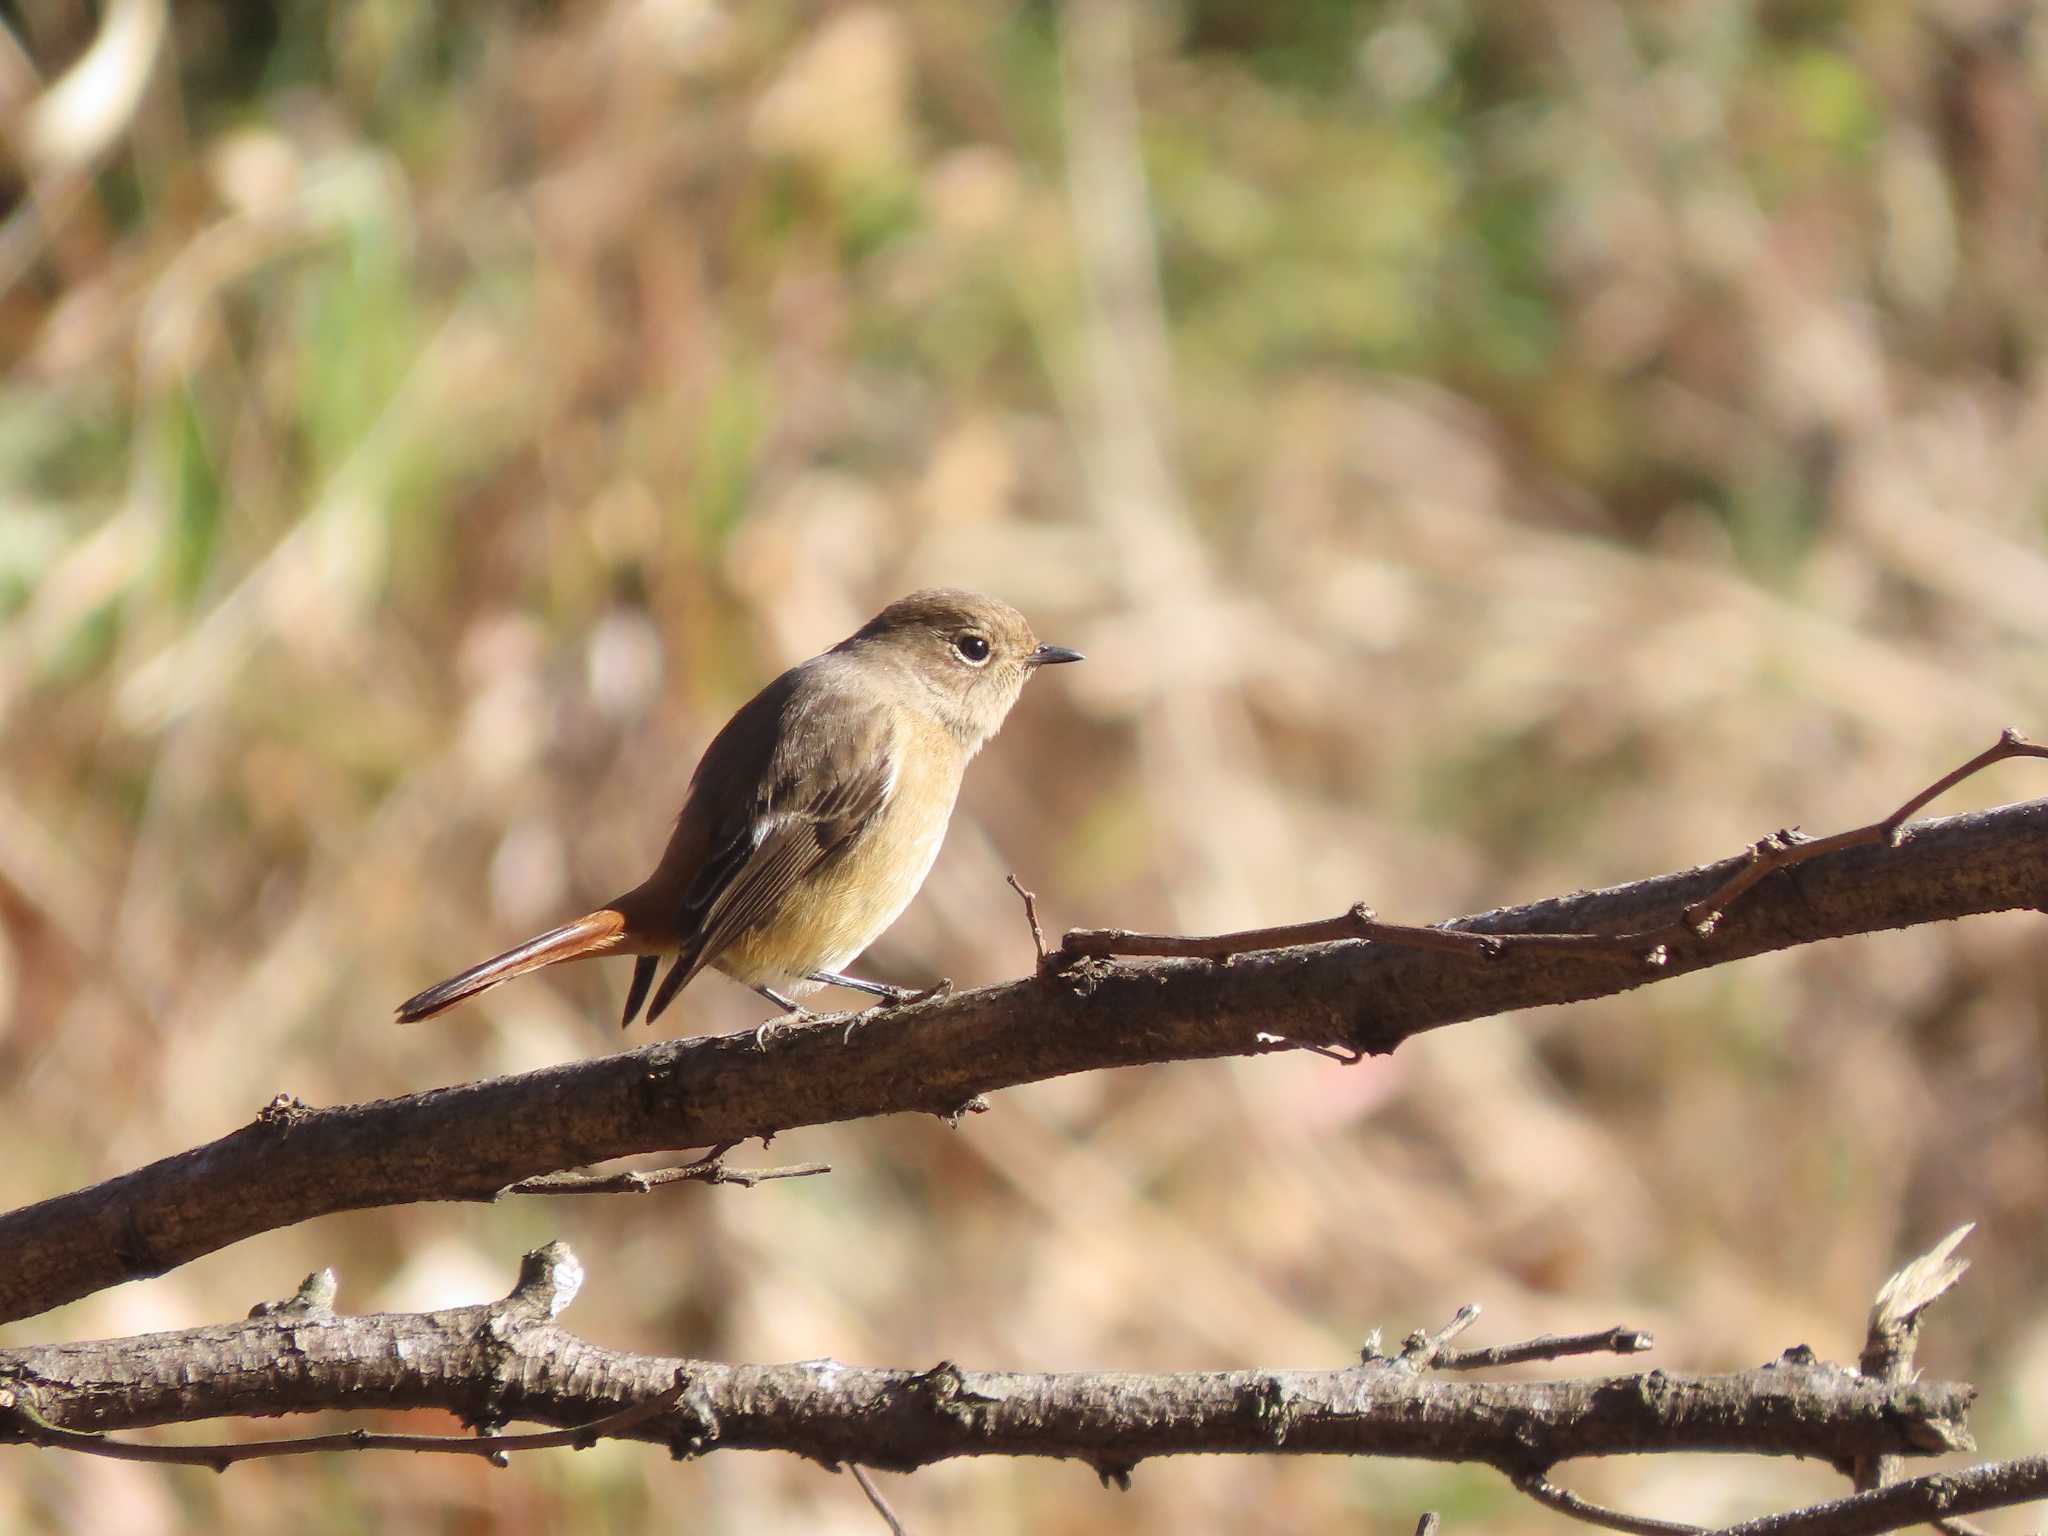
pixel 830 772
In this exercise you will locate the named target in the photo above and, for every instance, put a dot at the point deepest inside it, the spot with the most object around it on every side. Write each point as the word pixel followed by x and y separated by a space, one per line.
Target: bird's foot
pixel 901 997
pixel 781 1024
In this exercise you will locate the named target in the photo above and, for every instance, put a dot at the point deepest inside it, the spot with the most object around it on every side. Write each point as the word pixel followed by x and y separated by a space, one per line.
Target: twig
pixel 1359 922
pixel 1565 1502
pixel 314 1298
pixel 1031 917
pixel 1783 849
pixel 1420 1350
pixel 867 1486
pixel 1895 1331
pixel 1695 922
pixel 2010 743
pixel 1936 1496
pixel 1551 1346
pixel 1423 1351
pixel 1430 1523
pixel 635 1181
pixel 33 1429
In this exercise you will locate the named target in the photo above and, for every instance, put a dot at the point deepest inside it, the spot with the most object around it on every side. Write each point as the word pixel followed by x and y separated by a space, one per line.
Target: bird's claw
pixel 781 1024
pixel 943 987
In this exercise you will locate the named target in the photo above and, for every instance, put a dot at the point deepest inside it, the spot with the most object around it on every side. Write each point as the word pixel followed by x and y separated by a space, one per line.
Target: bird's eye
pixel 973 648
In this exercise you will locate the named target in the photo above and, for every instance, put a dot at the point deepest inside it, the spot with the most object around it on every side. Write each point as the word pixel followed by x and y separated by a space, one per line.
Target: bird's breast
pixel 845 905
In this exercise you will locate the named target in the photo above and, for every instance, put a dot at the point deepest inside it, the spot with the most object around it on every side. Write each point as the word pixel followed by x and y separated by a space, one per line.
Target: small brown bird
pixel 813 817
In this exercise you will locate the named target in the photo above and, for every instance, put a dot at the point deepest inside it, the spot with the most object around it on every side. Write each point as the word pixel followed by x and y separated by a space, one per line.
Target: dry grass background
pixel 1484 451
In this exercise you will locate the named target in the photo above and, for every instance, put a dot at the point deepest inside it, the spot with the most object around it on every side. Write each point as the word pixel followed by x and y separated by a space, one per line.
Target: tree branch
pixel 709 1169
pixel 1565 1502
pixel 1650 946
pixel 34 1429
pixel 470 1142
pixel 1895 1331
pixel 1937 1496
pixel 874 1496
pixel 511 1359
pixel 1887 1358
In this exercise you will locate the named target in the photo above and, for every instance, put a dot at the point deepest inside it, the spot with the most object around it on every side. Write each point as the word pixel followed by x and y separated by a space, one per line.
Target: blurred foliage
pixel 1490 450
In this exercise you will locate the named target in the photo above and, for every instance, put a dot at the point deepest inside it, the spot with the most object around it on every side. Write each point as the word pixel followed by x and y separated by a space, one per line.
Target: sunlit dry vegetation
pixel 1483 451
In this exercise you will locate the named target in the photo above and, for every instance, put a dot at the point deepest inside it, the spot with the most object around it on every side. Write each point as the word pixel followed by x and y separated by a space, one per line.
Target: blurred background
pixel 1483 450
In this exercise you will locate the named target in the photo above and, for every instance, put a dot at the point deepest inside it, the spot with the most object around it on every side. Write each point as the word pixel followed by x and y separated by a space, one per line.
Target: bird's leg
pixel 891 996
pixel 888 992
pixel 793 1013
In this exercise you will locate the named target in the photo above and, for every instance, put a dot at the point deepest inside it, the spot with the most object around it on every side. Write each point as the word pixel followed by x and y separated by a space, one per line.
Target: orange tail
pixel 591 934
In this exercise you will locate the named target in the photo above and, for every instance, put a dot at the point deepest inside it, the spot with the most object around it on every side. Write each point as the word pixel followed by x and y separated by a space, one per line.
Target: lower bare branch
pixel 511 1359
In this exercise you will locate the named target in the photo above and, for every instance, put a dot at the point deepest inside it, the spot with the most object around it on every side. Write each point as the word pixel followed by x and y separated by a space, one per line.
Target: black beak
pixel 1046 655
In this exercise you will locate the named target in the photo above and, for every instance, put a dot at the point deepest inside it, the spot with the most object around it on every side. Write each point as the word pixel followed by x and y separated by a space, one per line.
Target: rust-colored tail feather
pixel 591 934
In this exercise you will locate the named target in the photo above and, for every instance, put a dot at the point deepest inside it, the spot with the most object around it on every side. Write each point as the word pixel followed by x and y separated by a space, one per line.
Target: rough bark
pixel 511 1359
pixel 470 1142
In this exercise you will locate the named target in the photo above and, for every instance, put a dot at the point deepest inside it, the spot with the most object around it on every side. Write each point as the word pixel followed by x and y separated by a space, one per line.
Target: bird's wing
pixel 832 772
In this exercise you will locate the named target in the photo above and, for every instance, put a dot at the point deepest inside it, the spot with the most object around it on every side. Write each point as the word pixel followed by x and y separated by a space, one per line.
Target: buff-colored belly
pixel 829 918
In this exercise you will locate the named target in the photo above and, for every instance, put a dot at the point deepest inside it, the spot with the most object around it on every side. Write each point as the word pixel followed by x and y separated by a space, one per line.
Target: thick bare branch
pixel 470 1142
pixel 512 1359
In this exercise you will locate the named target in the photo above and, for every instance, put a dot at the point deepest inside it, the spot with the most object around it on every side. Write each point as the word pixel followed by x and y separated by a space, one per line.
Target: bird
pixel 813 817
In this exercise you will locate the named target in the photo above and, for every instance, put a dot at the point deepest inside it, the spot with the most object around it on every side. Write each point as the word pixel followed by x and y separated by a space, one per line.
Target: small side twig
pixel 33 1429
pixel 313 1299
pixel 867 1486
pixel 1783 849
pixel 1421 1350
pixel 1031 916
pixel 1895 1333
pixel 1765 857
pixel 710 1169
pixel 1424 1351
pixel 1565 1502
pixel 1359 922
pixel 1550 1346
